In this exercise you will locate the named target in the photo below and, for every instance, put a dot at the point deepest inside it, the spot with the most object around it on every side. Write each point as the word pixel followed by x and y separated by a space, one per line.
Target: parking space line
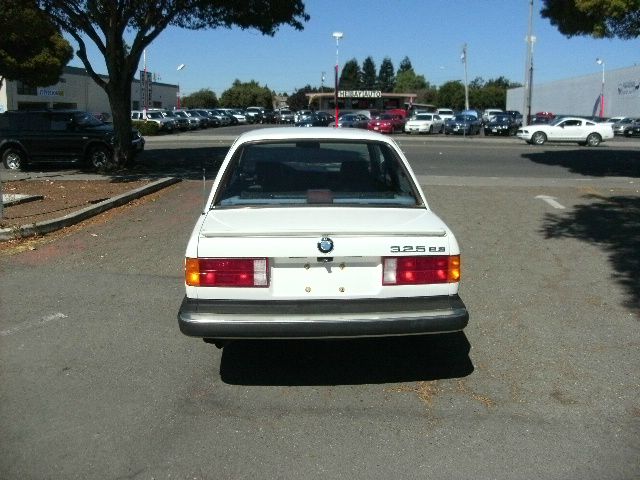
pixel 35 323
pixel 551 201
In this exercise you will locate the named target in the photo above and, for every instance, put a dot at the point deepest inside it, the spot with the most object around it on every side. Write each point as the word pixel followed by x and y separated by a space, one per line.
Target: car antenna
pixel 204 186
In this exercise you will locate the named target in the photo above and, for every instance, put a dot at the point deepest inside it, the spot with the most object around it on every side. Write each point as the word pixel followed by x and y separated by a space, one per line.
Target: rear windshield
pixel 316 172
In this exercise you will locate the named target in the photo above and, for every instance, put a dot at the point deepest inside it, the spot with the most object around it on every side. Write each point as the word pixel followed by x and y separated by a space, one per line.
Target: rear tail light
pixel 420 270
pixel 227 272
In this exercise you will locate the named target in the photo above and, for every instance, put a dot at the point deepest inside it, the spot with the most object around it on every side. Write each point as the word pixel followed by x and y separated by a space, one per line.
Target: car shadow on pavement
pixel 612 223
pixel 185 163
pixel 346 362
pixel 594 162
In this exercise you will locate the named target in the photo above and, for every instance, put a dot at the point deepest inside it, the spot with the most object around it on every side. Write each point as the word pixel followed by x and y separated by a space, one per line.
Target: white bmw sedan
pixel 319 233
pixel 567 129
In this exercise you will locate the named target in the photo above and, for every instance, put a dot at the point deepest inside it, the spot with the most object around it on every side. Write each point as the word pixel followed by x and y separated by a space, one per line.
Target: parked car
pixel 353 120
pixel 516 115
pixel 182 123
pixel 223 119
pixel 202 119
pixel 620 125
pixel 424 123
pixel 633 129
pixel 268 116
pixel 30 137
pixel 327 118
pixel 463 124
pixel 164 124
pixel 238 115
pixel 489 113
pixel 194 123
pixel 540 120
pixel 567 129
pixel 300 114
pixel 285 116
pixel 318 233
pixel 316 119
pixel 387 123
pixel 254 114
pixel 445 114
pixel 502 124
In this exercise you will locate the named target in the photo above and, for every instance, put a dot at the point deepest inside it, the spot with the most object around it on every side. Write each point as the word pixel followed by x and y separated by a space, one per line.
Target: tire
pixel 100 158
pixel 593 140
pixel 14 158
pixel 430 129
pixel 538 138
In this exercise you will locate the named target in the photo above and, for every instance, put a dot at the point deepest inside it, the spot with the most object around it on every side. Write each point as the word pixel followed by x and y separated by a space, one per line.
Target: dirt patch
pixel 60 198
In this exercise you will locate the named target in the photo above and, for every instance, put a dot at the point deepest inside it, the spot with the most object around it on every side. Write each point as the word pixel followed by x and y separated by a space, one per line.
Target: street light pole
pixel 528 70
pixel 337 36
pixel 180 67
pixel 600 61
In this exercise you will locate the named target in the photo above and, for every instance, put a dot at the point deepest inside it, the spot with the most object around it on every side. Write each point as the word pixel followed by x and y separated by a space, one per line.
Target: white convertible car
pixel 319 233
pixel 567 129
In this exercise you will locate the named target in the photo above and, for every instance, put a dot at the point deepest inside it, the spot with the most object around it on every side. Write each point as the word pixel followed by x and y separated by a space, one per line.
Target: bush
pixel 145 128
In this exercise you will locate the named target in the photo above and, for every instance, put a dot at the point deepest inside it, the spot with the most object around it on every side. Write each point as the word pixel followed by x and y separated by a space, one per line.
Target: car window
pixel 311 172
pixel 86 120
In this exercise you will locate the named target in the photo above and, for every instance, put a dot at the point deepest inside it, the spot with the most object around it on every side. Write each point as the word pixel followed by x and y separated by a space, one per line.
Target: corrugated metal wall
pixel 578 96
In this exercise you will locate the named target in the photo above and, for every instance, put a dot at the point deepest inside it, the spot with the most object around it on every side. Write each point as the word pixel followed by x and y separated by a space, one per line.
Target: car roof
pixel 312 133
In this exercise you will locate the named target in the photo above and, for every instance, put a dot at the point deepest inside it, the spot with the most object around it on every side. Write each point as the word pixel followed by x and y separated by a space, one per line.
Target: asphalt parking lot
pixel 97 381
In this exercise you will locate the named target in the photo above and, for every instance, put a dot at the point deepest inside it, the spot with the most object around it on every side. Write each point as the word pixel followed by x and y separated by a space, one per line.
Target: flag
pixel 595 107
pixel 463 55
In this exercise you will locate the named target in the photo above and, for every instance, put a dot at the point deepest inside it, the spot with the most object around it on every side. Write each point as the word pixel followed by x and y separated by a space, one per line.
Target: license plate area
pixel 313 278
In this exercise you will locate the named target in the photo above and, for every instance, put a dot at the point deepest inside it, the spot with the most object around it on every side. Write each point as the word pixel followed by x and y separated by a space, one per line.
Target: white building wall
pixel 579 95
pixel 77 90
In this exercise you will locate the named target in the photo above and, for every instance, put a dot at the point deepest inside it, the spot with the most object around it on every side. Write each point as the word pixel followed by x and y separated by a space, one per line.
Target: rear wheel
pixel 593 140
pixel 538 138
pixel 14 158
pixel 100 158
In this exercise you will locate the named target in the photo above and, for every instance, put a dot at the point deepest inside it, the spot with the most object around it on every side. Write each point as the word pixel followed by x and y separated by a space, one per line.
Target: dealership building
pixel 77 90
pixel 581 95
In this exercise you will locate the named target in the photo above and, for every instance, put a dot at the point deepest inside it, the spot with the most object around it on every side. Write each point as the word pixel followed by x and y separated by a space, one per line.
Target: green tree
pixel 351 76
pixel 405 66
pixel 451 95
pixel 247 94
pixel 386 76
pixel 427 95
pixel 204 98
pixel 104 23
pixel 408 82
pixel 298 100
pixel 597 18
pixel 369 77
pixel 32 48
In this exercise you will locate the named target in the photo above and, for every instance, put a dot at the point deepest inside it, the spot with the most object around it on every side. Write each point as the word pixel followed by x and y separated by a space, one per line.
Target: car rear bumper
pixel 226 319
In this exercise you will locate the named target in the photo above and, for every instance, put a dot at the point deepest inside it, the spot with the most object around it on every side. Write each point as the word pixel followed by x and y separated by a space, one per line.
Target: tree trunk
pixel 119 93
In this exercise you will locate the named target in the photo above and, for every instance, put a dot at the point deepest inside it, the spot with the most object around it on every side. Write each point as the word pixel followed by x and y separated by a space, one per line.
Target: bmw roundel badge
pixel 325 245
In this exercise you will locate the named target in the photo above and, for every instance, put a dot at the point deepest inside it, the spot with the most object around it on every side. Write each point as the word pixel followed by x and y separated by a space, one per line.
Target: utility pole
pixel 528 70
pixel 463 57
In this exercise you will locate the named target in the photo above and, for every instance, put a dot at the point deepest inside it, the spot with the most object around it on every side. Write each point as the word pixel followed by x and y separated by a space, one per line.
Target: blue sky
pixel 430 32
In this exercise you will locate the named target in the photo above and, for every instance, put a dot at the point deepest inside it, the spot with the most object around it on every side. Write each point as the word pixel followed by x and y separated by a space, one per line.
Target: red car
pixel 387 123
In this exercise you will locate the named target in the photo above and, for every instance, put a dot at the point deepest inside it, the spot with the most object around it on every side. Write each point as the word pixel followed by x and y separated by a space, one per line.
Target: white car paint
pixel 567 129
pixel 424 123
pixel 364 233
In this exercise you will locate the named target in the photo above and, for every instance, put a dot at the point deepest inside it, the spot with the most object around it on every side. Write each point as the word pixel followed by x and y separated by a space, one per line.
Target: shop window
pixel 24 89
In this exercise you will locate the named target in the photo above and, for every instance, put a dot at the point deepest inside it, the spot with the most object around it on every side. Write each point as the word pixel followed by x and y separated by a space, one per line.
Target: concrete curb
pixel 76 217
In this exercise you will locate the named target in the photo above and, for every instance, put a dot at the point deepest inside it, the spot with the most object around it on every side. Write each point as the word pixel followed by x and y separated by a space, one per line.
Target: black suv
pixel 38 136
